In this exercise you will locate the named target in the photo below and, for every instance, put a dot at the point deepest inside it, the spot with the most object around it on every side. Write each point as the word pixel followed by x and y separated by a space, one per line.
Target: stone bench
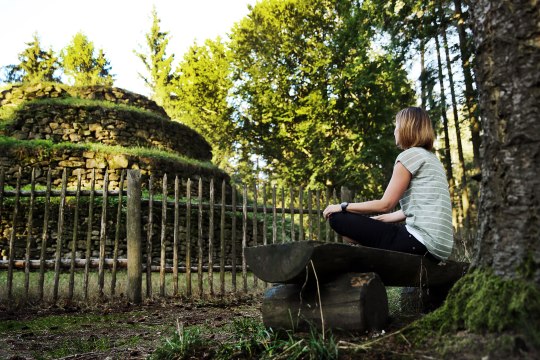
pixel 342 284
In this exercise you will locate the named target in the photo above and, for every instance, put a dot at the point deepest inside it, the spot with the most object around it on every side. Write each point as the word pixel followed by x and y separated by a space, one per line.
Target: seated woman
pixel 420 186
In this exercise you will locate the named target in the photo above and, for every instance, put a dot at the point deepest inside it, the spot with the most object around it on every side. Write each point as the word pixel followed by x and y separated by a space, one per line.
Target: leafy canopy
pixel 200 87
pixel 318 98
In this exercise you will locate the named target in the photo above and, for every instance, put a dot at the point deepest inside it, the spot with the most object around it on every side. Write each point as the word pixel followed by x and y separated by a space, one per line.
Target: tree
pixel 35 65
pixel 318 100
pixel 83 66
pixel 157 63
pixel 470 91
pixel 506 35
pixel 502 292
pixel 200 89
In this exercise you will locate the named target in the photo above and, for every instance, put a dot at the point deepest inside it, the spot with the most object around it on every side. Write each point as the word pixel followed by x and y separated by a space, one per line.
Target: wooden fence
pixel 200 232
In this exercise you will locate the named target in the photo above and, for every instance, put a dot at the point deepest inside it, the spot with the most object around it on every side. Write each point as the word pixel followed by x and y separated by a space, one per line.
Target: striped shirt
pixel 426 202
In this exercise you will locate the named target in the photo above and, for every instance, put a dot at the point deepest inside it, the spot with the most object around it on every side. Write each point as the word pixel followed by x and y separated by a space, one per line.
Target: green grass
pixel 19 299
pixel 45 147
pixel 78 102
pixel 77 346
pixel 56 323
pixel 246 338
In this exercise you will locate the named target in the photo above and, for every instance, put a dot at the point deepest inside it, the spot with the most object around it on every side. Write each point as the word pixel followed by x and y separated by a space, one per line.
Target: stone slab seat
pixel 287 263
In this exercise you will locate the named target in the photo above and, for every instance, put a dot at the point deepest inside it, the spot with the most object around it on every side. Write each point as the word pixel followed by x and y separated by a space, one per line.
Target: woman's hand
pixel 396 216
pixel 330 209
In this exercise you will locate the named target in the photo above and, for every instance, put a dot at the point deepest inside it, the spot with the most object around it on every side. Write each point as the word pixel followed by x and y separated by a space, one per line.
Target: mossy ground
pixel 499 317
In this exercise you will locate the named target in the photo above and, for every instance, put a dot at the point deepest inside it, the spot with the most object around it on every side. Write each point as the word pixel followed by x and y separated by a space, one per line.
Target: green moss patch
pixel 482 302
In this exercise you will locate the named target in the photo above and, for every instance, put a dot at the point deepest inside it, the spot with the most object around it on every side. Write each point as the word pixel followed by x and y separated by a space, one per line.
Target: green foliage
pixel 201 85
pixel 83 66
pixel 246 338
pixel 317 101
pixel 35 65
pixel 184 344
pixel 157 63
pixel 484 302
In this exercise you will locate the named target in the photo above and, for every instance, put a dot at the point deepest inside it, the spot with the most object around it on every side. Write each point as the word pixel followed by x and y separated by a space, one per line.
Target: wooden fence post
pixel 133 231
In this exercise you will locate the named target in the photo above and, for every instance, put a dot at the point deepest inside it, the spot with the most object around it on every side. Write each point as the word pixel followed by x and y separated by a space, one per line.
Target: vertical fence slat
pixel 2 179
pixel 233 238
pixel 301 213
pixel 188 238
pixel 265 213
pixel 211 240
pixel 117 233
pixel 133 234
pixel 274 215
pixel 103 235
pixel 334 201
pixel 222 241
pixel 254 214
pixel 89 234
pixel 29 231
pixel 310 214
pixel 200 241
pixel 318 202
pixel 291 207
pixel 326 225
pixel 12 236
pixel 244 237
pixel 59 235
pixel 74 239
pixel 162 262
pixel 176 234
pixel 282 215
pixel 149 235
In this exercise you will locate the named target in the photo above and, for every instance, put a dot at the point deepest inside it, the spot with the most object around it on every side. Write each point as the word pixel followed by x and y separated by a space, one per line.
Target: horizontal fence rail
pixel 74 243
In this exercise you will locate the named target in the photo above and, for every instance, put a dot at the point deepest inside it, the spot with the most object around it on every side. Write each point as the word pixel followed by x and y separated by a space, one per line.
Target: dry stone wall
pixel 140 124
pixel 86 163
pixel 108 126
pixel 15 95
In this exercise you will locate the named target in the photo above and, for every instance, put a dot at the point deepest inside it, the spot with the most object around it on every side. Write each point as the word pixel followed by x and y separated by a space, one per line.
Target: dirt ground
pixel 131 332
pixel 124 331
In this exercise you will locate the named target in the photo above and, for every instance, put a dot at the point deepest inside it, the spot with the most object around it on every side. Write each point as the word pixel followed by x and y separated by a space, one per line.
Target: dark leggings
pixel 374 233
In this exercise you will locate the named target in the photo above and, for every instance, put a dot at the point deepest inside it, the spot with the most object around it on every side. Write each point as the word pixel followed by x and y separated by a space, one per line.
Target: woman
pixel 419 184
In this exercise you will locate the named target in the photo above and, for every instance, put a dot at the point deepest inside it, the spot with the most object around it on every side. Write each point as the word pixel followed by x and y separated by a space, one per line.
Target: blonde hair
pixel 414 129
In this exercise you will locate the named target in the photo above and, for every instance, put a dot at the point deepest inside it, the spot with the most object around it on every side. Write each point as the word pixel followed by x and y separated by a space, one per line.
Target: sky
pixel 116 26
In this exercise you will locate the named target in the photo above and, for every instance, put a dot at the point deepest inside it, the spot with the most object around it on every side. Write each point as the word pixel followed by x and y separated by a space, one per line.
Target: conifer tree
pixel 83 66
pixel 156 61
pixel 35 65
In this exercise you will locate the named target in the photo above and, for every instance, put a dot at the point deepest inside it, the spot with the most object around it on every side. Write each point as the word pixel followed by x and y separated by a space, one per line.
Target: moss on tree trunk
pixel 484 302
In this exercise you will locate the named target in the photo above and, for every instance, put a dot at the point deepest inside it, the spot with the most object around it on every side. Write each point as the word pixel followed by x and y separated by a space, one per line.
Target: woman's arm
pixel 401 177
pixel 396 216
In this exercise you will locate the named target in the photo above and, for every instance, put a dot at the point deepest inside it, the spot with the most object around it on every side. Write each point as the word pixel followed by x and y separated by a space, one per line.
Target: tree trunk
pixel 470 93
pixel 507 41
pixel 464 193
pixel 423 75
pixel 447 157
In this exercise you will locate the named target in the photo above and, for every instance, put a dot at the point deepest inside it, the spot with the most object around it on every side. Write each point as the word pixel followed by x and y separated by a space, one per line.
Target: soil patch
pixel 112 331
